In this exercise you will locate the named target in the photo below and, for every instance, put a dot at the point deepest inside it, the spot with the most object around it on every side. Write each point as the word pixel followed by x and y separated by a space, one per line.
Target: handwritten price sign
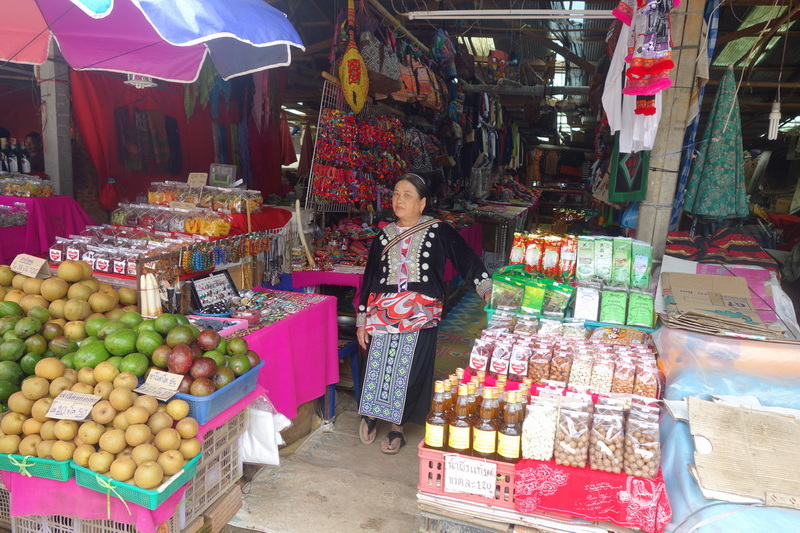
pixel 160 384
pixel 469 476
pixel 69 405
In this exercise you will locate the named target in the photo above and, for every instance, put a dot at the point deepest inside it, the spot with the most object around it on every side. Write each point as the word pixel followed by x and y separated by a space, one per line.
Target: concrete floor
pixel 331 482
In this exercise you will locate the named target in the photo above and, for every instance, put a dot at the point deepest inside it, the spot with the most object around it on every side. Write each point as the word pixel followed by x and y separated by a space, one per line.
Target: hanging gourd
pixel 352 69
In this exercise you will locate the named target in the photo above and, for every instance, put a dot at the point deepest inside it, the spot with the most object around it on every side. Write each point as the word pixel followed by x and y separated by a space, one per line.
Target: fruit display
pixel 79 322
pixel 23 186
pixel 130 438
pixel 216 198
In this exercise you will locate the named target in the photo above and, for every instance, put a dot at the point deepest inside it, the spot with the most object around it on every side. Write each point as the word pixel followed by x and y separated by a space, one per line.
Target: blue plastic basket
pixel 204 408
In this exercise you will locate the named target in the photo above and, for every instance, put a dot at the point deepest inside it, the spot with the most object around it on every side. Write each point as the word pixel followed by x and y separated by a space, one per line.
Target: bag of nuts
pixel 539 365
pixel 539 428
pixel 607 442
pixel 602 374
pixel 646 383
pixel 572 440
pixel 624 375
pixel 642 449
pixel 560 366
pixel 581 373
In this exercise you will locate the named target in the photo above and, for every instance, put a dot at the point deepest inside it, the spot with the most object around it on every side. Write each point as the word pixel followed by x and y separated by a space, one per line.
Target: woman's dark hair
pixel 422 187
pixel 36 136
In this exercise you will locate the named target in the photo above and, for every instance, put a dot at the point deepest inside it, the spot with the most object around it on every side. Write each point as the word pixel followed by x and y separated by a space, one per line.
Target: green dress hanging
pixel 716 187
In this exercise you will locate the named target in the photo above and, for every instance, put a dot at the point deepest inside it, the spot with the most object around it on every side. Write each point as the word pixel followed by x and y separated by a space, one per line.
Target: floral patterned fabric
pixel 716 186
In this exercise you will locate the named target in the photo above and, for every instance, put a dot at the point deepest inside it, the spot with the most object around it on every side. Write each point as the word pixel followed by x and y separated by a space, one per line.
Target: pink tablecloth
pixel 48 218
pixel 309 278
pixel 33 496
pixel 300 356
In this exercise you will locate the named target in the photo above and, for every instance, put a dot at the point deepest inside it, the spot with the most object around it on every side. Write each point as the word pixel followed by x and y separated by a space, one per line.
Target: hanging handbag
pixel 409 91
pixel 465 62
pixel 383 68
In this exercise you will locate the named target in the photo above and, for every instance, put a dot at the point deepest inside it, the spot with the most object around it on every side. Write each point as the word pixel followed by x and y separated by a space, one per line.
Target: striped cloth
pixel 726 246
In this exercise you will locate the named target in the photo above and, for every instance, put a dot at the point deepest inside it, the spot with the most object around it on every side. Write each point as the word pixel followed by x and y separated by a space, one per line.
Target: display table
pixel 48 218
pixel 701 365
pixel 300 356
pixel 66 498
pixel 267 218
pixel 309 278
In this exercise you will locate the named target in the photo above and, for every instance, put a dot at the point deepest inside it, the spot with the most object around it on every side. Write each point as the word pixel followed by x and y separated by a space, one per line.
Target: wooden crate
pixel 219 514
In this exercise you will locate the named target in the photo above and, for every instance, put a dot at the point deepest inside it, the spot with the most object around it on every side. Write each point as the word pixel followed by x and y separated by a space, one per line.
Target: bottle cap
pixel 462 390
pixel 438 386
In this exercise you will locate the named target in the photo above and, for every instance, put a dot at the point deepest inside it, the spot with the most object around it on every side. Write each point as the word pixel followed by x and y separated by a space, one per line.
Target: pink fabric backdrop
pixel 300 356
pixel 48 218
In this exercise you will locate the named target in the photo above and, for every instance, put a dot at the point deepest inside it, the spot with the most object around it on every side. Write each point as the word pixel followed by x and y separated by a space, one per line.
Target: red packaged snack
pixel 551 256
pixel 481 355
pixel 533 253
pixel 518 249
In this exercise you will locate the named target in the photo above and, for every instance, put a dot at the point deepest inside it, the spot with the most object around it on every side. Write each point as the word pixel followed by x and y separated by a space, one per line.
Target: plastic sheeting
pixel 700 365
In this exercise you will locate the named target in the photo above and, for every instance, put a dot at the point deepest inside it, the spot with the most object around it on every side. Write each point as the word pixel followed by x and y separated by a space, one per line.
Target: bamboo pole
pixel 655 211
pixel 396 24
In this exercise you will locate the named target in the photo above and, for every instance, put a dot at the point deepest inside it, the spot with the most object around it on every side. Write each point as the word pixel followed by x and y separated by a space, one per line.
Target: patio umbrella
pixel 716 186
pixel 165 39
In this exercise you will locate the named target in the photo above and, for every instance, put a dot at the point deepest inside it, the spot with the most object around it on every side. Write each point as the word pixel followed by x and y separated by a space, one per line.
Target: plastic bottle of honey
pixel 484 434
pixel 509 436
pixel 449 399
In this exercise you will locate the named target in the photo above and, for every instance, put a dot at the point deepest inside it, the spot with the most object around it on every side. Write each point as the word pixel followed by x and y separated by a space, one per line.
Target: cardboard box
pixel 782 205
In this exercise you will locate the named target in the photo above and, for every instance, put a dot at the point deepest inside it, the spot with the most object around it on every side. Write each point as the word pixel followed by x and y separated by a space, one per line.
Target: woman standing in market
pixel 400 308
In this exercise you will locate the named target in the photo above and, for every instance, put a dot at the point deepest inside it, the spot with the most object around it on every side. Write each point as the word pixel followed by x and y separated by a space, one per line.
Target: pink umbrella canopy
pixel 165 39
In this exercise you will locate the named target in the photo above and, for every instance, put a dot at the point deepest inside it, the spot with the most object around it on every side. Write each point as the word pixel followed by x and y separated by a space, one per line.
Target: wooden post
pixel 654 212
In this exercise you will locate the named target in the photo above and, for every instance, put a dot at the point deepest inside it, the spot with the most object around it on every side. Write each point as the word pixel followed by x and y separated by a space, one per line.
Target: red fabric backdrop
pixel 95 96
pixel 19 110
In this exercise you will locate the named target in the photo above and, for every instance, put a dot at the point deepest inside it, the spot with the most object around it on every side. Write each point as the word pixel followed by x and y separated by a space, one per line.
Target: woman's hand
pixel 487 295
pixel 363 337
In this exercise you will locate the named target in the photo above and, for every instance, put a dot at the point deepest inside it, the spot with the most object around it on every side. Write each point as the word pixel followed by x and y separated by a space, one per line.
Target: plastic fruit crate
pixel 204 408
pixel 431 480
pixel 5 508
pixel 220 438
pixel 149 499
pixel 37 467
pixel 70 524
pixel 215 476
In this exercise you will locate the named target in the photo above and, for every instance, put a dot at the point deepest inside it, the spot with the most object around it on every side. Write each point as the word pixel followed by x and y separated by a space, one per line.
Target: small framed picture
pixel 212 288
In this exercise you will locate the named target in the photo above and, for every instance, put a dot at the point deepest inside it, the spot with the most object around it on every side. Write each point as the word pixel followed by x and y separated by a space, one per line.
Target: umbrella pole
pixel 654 212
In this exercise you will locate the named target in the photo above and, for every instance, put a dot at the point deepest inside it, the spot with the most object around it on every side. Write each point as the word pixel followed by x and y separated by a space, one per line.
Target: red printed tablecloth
pixel 591 494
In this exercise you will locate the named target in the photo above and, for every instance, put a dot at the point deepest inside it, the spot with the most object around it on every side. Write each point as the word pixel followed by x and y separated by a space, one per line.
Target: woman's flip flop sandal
pixel 392 436
pixel 370 424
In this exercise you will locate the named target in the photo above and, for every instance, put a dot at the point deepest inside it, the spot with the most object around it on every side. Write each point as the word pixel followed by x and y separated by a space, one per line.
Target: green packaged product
pixel 506 293
pixel 640 310
pixel 621 267
pixel 613 307
pixel 584 269
pixel 533 297
pixel 603 258
pixel 642 263
pixel 556 298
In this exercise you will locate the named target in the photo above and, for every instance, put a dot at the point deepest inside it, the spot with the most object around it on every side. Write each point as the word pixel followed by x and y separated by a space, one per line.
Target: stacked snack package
pixel 548 255
pixel 613 276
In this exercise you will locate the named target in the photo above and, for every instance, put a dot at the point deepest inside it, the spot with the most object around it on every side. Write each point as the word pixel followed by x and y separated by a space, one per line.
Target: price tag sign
pixel 197 179
pixel 33 267
pixel 469 476
pixel 162 385
pixel 182 205
pixel 69 405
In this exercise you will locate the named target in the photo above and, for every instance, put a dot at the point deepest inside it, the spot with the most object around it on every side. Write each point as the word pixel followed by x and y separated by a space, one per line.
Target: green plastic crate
pixel 37 467
pixel 149 499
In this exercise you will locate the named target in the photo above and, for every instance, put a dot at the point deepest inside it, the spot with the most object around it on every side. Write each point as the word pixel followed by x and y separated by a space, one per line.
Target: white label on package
pixel 469 476
pixel 162 385
pixel 70 405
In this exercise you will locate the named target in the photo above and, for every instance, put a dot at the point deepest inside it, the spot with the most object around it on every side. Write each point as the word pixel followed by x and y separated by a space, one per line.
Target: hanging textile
pixel 712 22
pixel 288 155
pixel 306 152
pixel 716 185
pixel 260 98
pixel 637 131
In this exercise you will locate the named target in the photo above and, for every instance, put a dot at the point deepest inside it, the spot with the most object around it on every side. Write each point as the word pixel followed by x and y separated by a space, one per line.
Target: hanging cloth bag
pixel 383 67
pixel 352 70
